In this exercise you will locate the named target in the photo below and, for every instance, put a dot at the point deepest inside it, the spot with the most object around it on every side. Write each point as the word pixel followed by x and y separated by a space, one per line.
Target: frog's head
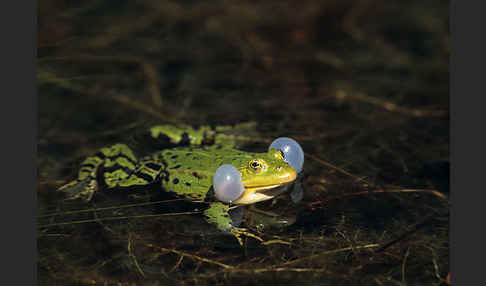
pixel 263 176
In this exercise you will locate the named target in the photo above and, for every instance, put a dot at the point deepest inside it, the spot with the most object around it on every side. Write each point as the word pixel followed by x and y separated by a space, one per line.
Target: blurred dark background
pixel 362 85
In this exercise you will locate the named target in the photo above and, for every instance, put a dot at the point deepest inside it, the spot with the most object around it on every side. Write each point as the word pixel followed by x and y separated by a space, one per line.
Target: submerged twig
pixel 404 263
pixel 276 241
pixel 389 106
pixel 153 82
pixel 192 256
pixel 262 270
pixel 358 179
pixel 107 208
pixel 413 229
pixel 134 258
pixel 334 251
pixel 49 77
pixel 178 263
pixel 127 101
pixel 115 218
pixel 279 269
pixel 436 193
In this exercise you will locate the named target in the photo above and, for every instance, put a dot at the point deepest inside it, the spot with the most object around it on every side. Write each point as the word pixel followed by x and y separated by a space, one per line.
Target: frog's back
pixel 189 171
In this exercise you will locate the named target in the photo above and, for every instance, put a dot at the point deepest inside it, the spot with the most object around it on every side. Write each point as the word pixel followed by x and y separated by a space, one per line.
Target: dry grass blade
pixel 192 256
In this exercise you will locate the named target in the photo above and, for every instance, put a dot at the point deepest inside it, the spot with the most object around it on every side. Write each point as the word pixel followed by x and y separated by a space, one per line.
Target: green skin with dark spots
pixel 185 171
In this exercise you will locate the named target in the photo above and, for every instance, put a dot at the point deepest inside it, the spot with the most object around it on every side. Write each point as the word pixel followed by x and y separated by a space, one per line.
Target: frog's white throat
pixel 254 195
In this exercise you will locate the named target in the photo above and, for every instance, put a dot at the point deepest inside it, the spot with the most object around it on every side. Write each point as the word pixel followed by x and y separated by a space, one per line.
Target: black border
pixel 19 126
pixel 467 70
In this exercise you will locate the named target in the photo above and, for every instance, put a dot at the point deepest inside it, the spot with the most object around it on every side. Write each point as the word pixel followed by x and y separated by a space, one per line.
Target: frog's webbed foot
pixel 79 189
pixel 219 214
pixel 237 232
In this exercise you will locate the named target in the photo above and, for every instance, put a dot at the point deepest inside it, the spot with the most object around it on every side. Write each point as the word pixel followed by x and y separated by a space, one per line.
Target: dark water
pixel 361 85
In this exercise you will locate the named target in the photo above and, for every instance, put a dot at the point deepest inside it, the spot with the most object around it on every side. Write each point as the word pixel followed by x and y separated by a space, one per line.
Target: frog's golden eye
pixel 257 165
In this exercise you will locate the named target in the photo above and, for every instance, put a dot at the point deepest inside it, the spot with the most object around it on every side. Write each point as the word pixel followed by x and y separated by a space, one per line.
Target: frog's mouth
pixel 254 194
pixel 262 193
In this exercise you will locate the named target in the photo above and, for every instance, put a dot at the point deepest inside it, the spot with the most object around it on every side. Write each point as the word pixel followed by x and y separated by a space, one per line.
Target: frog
pixel 186 170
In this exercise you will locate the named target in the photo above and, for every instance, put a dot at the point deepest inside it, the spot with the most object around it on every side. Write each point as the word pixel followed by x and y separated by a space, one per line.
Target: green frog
pixel 187 171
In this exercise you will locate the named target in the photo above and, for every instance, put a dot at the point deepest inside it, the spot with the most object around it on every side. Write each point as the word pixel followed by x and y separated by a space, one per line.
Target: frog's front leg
pixel 218 213
pixel 118 167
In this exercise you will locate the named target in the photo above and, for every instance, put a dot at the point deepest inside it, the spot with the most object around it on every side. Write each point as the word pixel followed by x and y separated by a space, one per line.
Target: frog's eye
pixel 291 151
pixel 256 165
pixel 227 183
